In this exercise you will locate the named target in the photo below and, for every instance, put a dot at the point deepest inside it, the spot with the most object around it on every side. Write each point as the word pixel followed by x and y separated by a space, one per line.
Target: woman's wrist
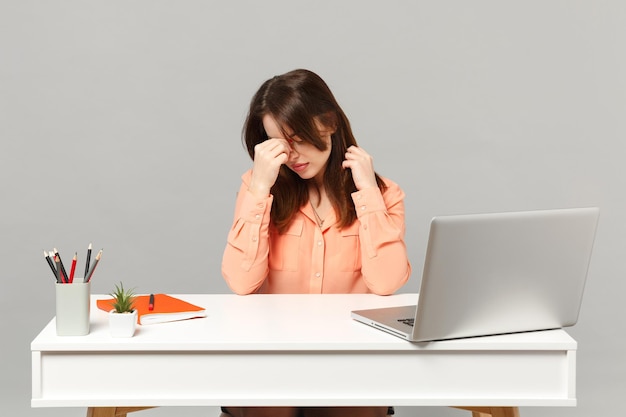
pixel 258 191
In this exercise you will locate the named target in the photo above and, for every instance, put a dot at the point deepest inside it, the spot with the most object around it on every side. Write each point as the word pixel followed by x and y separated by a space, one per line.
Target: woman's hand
pixel 268 157
pixel 362 166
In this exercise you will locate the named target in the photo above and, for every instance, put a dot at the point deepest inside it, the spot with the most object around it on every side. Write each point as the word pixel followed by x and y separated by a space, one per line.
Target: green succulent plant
pixel 124 299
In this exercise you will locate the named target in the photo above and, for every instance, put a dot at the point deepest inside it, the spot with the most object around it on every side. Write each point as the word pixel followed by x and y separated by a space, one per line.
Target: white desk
pixel 248 346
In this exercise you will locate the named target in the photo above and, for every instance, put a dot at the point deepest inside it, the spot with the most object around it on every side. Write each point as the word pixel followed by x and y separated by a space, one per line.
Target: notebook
pixel 165 309
pixel 487 274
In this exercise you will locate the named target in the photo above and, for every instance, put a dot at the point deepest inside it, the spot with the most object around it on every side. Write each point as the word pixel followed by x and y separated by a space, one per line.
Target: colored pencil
pixel 73 268
pixel 57 261
pixel 64 277
pixel 52 267
pixel 88 260
pixel 93 267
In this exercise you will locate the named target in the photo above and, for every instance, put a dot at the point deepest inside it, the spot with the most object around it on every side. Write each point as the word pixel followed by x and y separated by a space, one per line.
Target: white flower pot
pixel 122 324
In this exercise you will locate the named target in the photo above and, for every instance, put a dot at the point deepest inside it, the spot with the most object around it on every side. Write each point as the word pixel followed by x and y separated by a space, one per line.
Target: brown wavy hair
pixel 295 100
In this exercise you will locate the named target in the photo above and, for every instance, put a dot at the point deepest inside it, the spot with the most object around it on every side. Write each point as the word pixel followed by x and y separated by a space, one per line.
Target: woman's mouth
pixel 299 167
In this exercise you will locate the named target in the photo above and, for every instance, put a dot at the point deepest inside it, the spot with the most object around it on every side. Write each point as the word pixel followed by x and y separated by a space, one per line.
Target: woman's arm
pixel 385 265
pixel 245 259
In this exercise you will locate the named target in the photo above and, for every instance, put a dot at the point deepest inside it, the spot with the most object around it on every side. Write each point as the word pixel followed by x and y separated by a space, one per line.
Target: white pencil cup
pixel 72 308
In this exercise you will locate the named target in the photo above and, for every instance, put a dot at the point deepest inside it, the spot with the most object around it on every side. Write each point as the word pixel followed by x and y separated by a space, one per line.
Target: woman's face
pixel 304 159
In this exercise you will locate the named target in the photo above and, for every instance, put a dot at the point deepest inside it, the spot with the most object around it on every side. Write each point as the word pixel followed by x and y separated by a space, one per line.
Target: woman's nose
pixel 293 154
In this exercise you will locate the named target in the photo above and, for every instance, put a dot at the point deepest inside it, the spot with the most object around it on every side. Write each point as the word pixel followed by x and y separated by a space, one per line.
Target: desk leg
pixel 112 411
pixel 492 411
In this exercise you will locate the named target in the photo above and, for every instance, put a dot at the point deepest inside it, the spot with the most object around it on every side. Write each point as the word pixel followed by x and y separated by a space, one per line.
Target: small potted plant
pixel 123 316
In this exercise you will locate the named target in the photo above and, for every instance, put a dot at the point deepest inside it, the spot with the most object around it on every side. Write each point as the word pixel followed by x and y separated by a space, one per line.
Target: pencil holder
pixel 72 308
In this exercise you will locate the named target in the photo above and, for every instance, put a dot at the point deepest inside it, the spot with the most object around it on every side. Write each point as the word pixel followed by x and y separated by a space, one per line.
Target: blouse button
pixel 254 239
pixel 317 275
pixel 258 216
pixel 362 207
pixel 319 243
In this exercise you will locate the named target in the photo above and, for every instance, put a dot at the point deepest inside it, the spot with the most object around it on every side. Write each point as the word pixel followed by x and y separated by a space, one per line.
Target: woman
pixel 312 216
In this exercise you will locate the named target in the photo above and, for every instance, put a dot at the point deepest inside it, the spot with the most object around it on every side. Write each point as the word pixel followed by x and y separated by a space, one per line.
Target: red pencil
pixel 73 267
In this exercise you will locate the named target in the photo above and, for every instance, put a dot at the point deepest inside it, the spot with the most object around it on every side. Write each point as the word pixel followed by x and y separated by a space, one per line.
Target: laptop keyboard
pixel 408 322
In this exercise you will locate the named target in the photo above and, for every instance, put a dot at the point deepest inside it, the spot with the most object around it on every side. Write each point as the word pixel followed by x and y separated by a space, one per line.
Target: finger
pixel 281 151
pixel 273 149
pixel 356 152
pixel 283 158
pixel 354 166
pixel 272 143
pixel 283 146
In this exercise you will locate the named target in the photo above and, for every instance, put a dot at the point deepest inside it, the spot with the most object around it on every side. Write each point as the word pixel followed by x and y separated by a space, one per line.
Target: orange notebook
pixel 166 308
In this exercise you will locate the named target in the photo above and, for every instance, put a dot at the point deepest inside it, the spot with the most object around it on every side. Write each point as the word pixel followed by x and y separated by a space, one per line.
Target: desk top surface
pixel 280 323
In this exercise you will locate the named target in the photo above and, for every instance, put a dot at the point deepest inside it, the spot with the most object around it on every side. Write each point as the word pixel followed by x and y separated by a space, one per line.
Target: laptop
pixel 488 274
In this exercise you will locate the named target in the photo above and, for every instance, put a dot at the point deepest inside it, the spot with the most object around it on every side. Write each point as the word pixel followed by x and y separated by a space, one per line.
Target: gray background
pixel 120 125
